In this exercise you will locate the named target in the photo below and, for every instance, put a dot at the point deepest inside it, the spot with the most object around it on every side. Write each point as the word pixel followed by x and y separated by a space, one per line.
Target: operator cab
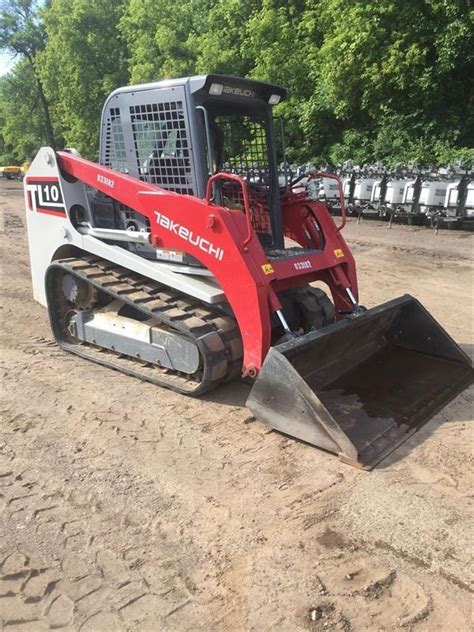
pixel 177 133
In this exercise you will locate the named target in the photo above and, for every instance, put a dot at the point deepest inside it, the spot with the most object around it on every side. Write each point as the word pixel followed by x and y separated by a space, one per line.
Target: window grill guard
pixel 232 198
pixel 131 219
pixel 162 146
pixel 241 147
pixel 115 153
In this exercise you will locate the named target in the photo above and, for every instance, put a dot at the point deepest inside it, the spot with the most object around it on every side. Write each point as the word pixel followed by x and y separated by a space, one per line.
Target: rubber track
pixel 215 334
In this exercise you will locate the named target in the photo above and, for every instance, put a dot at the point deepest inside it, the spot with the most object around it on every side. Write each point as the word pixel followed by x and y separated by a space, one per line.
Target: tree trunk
pixel 44 104
pixel 47 117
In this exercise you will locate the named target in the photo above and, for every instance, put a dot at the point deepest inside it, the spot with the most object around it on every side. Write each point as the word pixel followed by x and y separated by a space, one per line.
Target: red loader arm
pixel 224 241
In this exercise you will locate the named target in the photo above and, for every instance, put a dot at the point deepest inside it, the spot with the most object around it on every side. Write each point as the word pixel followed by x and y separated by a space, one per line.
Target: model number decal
pixel 51 193
pixel 45 196
pixel 105 180
pixel 302 265
pixel 188 235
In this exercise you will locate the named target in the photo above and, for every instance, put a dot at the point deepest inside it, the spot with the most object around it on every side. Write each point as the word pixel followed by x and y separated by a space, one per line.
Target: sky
pixel 6 63
pixel 6 60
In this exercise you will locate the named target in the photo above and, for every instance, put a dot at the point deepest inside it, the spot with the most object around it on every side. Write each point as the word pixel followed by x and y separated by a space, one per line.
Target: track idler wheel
pixel 79 293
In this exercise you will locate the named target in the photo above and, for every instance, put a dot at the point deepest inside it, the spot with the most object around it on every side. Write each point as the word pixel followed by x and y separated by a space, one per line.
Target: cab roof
pixel 200 84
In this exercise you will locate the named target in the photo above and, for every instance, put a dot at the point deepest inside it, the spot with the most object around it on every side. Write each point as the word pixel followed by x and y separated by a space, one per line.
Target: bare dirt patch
pixel 128 507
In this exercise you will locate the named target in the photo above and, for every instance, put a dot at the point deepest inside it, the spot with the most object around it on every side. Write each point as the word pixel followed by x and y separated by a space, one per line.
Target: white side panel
pixel 363 189
pixel 433 193
pixel 49 230
pixel 451 199
pixel 395 189
pixel 330 189
pixel 203 288
pixel 470 198
pixel 376 192
pixel 408 192
pixel 46 231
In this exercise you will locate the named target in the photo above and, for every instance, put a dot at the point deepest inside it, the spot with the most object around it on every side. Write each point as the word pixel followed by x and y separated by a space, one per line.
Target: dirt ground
pixel 127 507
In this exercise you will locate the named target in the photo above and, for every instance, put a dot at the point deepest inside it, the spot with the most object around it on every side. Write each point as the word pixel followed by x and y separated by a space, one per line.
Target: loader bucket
pixel 361 387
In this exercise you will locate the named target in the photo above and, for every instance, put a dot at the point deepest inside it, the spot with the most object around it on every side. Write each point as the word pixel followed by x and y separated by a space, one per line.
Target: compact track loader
pixel 179 259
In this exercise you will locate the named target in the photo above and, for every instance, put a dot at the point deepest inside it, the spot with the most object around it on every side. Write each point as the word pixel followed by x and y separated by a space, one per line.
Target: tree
pixel 390 80
pixel 393 69
pixel 22 33
pixel 83 61
pixel 23 126
pixel 278 42
pixel 163 37
pixel 222 43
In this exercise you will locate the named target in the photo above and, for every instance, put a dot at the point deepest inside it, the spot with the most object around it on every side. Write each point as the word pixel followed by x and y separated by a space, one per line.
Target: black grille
pixel 241 148
pixel 244 146
pixel 131 219
pixel 115 155
pixel 161 145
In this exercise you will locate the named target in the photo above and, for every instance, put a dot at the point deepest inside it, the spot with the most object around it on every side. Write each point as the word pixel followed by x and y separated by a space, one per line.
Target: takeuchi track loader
pixel 179 259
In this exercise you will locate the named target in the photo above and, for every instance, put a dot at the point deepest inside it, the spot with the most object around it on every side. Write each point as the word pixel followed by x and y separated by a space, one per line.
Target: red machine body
pixel 224 241
pixel 185 258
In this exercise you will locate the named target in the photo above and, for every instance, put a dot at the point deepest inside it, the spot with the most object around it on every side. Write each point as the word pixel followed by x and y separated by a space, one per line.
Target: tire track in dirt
pixel 127 507
pixel 77 578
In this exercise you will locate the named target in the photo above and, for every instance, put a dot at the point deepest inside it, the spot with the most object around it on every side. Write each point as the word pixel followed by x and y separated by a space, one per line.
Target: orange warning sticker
pixel 267 268
pixel 338 253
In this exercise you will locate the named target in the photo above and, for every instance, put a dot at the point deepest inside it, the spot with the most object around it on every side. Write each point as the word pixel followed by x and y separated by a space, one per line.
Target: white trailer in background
pixel 470 201
pixel 393 196
pixel 363 191
pixel 432 196
pixel 459 201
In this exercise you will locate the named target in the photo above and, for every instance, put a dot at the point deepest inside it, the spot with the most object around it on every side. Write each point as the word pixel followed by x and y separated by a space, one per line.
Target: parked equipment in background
pixel 435 197
pixel 458 208
pixel 11 172
pixel 432 196
pixel 362 194
pixel 348 184
pixel 379 192
pixel 181 260
pixel 328 193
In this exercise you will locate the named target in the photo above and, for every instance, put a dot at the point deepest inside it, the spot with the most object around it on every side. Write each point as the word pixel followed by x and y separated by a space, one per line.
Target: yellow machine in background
pixel 12 172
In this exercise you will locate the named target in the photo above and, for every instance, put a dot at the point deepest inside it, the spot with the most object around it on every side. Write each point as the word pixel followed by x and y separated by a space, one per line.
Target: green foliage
pixel 388 80
pixel 399 73
pixel 22 34
pixel 221 45
pixel 22 121
pixel 170 38
pixel 83 61
pixel 20 30
pixel 161 35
